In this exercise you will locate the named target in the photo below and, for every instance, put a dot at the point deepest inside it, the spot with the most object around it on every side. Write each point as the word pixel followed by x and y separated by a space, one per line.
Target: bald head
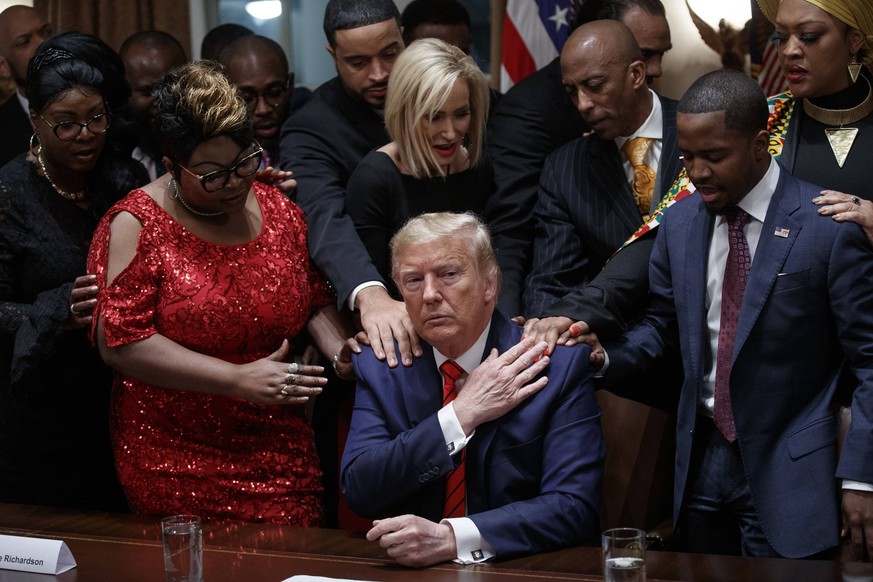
pixel 604 75
pixel 259 68
pixel 609 37
pixel 147 56
pixel 253 47
pixel 22 30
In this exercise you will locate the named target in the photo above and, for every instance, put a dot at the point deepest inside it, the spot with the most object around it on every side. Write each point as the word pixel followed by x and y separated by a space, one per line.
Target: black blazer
pixel 531 120
pixel 585 211
pixel 322 144
pixel 16 130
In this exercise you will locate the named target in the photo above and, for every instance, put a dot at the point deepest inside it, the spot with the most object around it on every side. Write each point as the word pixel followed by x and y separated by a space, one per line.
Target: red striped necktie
pixel 455 503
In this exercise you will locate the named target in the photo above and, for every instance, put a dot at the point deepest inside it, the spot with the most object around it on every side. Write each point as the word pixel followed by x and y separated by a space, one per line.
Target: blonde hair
pixel 420 83
pixel 197 102
pixel 436 226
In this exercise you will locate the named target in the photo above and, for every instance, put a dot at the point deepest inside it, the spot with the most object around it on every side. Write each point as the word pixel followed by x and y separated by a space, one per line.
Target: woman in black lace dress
pixel 54 390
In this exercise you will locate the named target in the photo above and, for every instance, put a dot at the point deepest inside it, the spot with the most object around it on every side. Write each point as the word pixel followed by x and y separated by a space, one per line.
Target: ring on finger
pixel 290 379
pixel 293 368
pixel 73 311
pixel 283 393
pixel 856 201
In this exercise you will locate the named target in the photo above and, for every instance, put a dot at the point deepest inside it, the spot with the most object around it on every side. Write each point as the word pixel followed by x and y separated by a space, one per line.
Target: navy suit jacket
pixel 533 476
pixel 807 310
pixel 585 210
pixel 322 144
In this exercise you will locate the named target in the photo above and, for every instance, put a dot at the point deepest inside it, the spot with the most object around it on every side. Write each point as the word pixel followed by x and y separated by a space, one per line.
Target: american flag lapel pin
pixel 782 232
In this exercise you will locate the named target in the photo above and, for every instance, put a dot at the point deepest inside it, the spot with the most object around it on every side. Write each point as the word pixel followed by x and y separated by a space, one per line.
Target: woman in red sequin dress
pixel 203 275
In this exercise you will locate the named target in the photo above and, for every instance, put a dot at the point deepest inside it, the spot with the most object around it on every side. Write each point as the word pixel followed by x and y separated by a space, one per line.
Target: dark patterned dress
pixel 188 452
pixel 54 389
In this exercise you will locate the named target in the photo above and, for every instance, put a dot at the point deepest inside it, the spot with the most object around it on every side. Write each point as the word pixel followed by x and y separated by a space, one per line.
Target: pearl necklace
pixel 175 195
pixel 71 196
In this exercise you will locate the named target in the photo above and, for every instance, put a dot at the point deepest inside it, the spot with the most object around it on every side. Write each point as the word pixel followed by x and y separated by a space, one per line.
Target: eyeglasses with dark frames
pixel 70 130
pixel 274 96
pixel 218 179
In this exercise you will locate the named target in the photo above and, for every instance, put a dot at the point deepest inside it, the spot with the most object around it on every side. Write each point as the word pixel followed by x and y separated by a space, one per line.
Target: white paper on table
pixel 43 556
pixel 307 578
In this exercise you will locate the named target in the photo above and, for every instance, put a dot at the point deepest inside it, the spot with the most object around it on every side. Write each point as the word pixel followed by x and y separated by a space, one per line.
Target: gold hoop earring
pixel 854 69
pixel 35 150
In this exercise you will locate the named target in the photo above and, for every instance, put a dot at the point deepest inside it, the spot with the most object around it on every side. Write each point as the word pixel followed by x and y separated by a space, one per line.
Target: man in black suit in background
pixel 534 119
pixel 324 142
pixel 596 190
pixel 22 30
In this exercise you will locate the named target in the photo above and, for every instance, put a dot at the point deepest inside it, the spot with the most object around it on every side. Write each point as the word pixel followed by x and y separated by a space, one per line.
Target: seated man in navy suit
pixel 501 456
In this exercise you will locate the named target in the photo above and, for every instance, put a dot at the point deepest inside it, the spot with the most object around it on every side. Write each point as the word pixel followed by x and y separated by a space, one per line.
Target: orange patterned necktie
pixel 455 502
pixel 643 184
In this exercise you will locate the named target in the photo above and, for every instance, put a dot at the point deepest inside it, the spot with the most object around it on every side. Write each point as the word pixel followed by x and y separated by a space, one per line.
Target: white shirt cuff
pixel 472 547
pixel 358 289
pixel 857 485
pixel 453 434
pixel 602 371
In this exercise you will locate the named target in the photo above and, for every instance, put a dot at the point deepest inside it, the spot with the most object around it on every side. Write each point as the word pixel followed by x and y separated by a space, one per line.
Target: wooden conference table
pixel 110 547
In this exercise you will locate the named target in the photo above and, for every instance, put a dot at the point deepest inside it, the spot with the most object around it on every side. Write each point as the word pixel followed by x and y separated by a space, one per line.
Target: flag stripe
pixel 534 32
pixel 518 63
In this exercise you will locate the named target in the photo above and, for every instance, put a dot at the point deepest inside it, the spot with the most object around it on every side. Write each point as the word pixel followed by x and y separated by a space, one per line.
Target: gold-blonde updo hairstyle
pixel 197 102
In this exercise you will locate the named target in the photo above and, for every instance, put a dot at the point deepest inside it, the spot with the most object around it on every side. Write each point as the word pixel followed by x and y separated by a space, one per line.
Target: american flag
pixel 764 54
pixel 534 31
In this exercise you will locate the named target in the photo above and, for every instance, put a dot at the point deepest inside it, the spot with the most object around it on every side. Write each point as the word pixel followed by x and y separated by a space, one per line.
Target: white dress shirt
pixel 755 203
pixel 472 547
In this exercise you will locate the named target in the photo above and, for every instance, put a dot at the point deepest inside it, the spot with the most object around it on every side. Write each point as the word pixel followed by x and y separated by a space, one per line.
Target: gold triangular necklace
pixel 841 138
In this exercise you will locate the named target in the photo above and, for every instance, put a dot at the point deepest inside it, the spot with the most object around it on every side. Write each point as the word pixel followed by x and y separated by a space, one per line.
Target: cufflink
pixel 450 447
pixel 477 555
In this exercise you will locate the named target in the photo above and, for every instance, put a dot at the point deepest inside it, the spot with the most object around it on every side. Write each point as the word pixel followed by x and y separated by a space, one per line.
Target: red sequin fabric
pixel 188 452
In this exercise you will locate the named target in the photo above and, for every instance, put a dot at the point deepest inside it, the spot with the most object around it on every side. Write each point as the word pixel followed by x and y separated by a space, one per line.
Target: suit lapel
pixel 422 402
pixel 697 251
pixel 501 336
pixel 608 181
pixel 670 165
pixel 770 255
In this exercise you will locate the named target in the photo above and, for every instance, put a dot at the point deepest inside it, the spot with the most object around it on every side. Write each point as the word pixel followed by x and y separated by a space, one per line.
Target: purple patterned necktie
pixel 736 273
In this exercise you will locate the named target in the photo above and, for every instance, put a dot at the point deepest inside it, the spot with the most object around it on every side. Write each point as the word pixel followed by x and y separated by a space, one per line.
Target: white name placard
pixel 35 555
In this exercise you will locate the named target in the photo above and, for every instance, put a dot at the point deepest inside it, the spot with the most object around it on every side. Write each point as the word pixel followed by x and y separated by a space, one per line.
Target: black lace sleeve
pixel 43 245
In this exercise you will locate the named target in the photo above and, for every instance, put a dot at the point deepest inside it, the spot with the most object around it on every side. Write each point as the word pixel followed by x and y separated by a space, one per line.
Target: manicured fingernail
pixel 574 330
pixel 546 353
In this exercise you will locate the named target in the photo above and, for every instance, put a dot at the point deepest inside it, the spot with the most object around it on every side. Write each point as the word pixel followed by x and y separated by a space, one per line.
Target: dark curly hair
pixel 75 59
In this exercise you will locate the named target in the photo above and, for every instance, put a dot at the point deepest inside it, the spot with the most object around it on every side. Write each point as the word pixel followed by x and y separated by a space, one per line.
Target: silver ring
pixel 293 368
pixel 290 379
pixel 73 311
pixel 283 393
pixel 856 201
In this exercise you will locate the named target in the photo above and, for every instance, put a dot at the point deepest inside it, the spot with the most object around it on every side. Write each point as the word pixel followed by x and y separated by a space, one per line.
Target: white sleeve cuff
pixel 453 434
pixel 857 485
pixel 358 289
pixel 472 547
pixel 602 371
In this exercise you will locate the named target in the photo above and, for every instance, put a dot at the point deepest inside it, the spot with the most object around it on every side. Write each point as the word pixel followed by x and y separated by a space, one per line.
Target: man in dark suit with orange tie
pixel 483 447
pixel 596 190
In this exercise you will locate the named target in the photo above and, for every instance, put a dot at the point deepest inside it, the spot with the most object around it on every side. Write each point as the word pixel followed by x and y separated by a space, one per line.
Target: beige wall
pixel 690 57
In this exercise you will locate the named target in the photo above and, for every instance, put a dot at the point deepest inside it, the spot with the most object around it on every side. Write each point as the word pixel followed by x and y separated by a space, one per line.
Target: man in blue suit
pixel 529 445
pixel 765 315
